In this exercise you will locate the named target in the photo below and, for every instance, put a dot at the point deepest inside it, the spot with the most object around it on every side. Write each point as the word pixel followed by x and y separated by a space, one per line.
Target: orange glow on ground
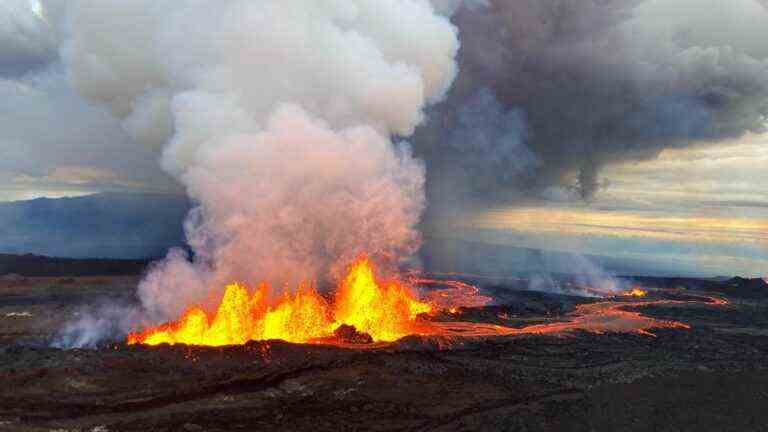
pixel 386 311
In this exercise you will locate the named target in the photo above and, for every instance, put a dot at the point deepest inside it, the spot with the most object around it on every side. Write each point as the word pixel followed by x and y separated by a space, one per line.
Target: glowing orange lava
pixel 636 292
pixel 453 294
pixel 386 311
pixel 602 317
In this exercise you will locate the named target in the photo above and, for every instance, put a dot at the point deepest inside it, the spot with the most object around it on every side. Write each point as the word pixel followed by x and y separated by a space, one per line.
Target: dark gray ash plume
pixel 598 82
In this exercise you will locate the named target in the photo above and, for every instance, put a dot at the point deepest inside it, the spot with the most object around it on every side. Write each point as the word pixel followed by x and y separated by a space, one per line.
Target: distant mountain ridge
pixel 108 225
pixel 29 265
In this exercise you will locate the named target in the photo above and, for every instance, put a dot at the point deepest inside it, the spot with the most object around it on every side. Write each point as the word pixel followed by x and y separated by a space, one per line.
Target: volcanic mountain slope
pixel 712 376
pixel 35 265
pixel 112 225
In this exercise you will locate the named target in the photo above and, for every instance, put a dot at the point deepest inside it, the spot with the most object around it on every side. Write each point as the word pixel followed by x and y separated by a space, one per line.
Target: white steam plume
pixel 277 116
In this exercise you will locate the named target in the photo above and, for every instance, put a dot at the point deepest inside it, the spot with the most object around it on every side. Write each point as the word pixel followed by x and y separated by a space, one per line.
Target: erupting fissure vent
pixel 636 292
pixel 386 311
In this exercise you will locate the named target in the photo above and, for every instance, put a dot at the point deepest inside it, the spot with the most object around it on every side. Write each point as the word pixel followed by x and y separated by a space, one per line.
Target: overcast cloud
pixel 52 141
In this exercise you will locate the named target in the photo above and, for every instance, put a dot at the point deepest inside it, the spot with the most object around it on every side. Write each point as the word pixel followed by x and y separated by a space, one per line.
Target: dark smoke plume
pixel 550 91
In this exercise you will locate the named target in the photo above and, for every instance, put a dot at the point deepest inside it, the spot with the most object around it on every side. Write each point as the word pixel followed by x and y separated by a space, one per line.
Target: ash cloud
pixel 487 145
pixel 597 82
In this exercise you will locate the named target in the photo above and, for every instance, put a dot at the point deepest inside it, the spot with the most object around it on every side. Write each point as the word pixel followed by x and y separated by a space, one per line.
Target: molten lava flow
pixel 602 317
pixel 386 312
pixel 453 294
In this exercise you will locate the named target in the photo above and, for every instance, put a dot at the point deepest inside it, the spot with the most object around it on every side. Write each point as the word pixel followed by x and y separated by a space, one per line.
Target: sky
pixel 626 128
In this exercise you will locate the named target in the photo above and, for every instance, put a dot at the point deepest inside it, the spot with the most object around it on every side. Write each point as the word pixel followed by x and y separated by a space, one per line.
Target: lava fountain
pixel 386 311
pixel 636 292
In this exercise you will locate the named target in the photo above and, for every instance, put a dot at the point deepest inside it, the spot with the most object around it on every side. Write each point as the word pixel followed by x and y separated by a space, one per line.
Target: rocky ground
pixel 713 377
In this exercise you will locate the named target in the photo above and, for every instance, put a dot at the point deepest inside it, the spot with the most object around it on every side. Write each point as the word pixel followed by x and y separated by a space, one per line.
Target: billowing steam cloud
pixel 276 116
pixel 596 82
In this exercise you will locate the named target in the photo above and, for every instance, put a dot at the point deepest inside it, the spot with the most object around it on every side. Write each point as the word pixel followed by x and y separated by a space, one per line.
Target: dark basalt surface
pixel 713 377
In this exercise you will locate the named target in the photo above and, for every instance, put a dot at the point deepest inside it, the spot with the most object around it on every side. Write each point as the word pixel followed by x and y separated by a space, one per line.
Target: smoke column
pixel 276 115
pixel 599 82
